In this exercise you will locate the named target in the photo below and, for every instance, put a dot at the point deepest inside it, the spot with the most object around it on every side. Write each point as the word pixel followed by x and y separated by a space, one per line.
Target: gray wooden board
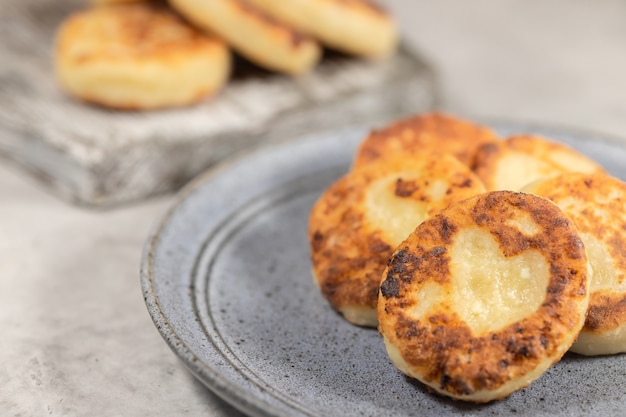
pixel 99 157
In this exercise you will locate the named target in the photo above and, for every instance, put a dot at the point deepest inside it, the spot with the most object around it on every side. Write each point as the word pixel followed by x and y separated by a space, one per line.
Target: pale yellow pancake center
pixel 491 291
pixel 604 274
pixel 516 170
pixel 396 216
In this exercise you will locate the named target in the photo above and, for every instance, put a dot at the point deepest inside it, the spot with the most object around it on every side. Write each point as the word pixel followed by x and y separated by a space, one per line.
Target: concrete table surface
pixel 77 339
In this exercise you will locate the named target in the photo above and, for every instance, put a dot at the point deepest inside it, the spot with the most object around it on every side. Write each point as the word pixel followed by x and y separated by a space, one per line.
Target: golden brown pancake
pixel 484 296
pixel 596 204
pixel 352 26
pixel 255 35
pixel 521 159
pixel 356 224
pixel 138 56
pixel 433 132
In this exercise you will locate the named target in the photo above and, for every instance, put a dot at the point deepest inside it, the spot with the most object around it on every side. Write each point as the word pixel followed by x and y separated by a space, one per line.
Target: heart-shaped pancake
pixel 484 296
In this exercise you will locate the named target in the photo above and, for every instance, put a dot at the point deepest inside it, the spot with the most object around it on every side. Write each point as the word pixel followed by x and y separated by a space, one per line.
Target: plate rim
pixel 226 389
pixel 236 396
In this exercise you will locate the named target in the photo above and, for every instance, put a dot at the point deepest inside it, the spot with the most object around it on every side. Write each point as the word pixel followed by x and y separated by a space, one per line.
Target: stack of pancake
pixel 140 54
pixel 481 260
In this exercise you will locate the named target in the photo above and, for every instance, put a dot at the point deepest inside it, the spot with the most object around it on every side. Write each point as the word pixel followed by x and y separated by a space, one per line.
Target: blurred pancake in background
pixel 138 56
pixel 352 26
pixel 258 37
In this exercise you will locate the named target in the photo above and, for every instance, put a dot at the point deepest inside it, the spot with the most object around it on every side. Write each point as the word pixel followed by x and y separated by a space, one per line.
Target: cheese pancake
pixel 356 224
pixel 485 296
pixel 596 203
pixel 258 37
pixel 521 159
pixel 433 132
pixel 138 56
pixel 352 26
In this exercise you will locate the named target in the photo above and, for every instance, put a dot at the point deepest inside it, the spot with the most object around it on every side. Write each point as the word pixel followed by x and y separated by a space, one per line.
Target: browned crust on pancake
pixel 442 348
pixel 137 34
pixel 488 156
pixel 426 132
pixel 606 311
pixel 522 143
pixel 348 253
pixel 131 37
pixel 593 191
pixel 348 270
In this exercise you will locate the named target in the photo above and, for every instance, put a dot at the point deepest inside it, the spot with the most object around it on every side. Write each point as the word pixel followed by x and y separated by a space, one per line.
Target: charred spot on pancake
pixel 405 188
pixel 447 229
pixel 606 312
pixel 390 286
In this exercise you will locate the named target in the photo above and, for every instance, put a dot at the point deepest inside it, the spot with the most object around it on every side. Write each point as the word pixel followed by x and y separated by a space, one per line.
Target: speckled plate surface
pixel 226 279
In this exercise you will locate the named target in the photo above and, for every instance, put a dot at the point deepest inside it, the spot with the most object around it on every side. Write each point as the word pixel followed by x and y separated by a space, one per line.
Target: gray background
pixel 77 339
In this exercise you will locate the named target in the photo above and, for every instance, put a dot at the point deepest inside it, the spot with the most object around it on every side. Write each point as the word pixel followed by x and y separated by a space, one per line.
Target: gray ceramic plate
pixel 226 278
